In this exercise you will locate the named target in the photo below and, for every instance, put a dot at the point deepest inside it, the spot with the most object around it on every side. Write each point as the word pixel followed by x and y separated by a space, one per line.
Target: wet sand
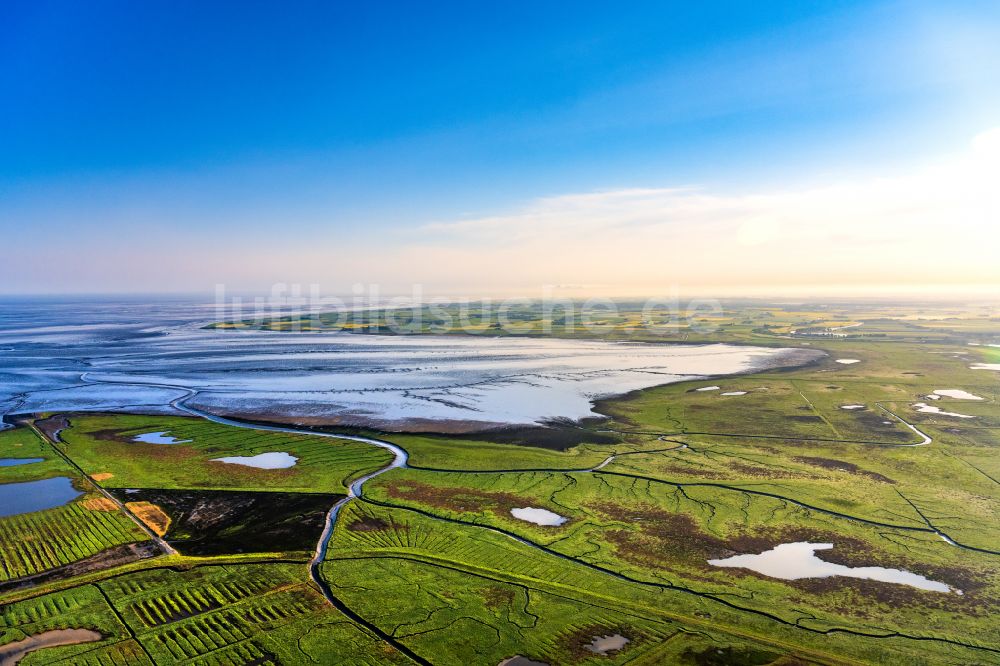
pixel 12 653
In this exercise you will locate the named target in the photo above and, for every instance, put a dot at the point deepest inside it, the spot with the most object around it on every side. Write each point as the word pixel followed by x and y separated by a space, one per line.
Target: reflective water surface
pixel 15 462
pixel 30 496
pixel 162 437
pixel 271 460
pixel 538 516
pixel 95 355
pixel 792 561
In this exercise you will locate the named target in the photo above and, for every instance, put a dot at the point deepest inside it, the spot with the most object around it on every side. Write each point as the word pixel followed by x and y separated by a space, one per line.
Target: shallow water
pixel 30 496
pixel 12 653
pixel 734 393
pixel 956 393
pixel 538 516
pixel 708 388
pixel 852 407
pixel 848 361
pixel 793 561
pixel 932 409
pixel 606 644
pixel 162 437
pixel 271 460
pixel 15 462
pixel 985 366
pixel 107 356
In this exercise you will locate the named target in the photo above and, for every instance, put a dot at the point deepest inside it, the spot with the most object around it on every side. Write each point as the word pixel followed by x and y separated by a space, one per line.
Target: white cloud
pixel 937 224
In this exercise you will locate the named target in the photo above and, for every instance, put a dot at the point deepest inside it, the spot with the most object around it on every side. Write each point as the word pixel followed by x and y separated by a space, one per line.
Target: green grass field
pixel 431 560
pixel 32 543
pixel 211 614
pixel 103 445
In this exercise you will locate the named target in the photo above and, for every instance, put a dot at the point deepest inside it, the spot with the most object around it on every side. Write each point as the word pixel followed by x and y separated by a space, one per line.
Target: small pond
pixel 14 462
pixel 32 496
pixel 271 460
pixel 792 561
pixel 924 408
pixel 162 437
pixel 606 644
pixel 958 394
pixel 538 516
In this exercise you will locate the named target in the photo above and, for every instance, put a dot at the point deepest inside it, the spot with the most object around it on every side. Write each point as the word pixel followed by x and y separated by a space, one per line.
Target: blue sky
pixel 213 137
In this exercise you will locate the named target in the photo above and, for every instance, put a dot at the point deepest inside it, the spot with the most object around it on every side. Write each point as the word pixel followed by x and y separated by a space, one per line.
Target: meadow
pixel 431 565
pixel 207 614
pixel 104 446
pixel 40 541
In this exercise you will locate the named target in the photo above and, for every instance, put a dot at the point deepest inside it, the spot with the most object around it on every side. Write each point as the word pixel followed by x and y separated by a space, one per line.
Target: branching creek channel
pixel 400 460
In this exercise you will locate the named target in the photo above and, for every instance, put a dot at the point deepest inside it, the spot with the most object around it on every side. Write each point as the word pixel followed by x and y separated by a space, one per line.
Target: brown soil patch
pixel 842 466
pixel 99 504
pixel 151 515
pixel 103 476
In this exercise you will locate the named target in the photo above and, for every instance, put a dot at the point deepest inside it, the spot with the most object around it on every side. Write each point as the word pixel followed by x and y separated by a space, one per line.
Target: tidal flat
pixel 456 383
pixel 559 540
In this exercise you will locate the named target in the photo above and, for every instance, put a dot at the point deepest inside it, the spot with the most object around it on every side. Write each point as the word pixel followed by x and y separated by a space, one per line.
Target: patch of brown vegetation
pixel 104 560
pixel 103 476
pixel 109 435
pixel 854 553
pixel 854 593
pixel 368 524
pixel 842 466
pixel 496 596
pixel 727 656
pixel 698 472
pixel 763 472
pixel 459 499
pixel 576 642
pixel 664 539
pixel 151 515
pixel 660 537
pixel 99 504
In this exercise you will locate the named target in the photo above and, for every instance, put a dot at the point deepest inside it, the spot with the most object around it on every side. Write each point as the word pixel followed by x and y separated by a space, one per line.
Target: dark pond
pixel 31 496
pixel 14 462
